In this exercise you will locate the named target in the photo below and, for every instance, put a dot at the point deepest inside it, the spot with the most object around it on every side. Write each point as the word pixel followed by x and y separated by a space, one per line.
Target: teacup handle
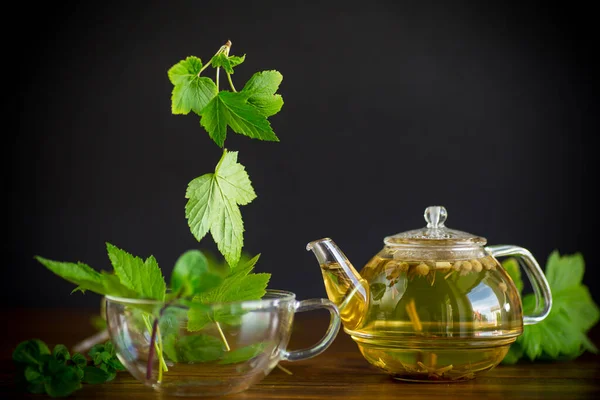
pixel 326 340
pixel 540 286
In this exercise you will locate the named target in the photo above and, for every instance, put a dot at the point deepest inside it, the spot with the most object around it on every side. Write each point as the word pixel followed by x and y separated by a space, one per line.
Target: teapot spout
pixel 345 287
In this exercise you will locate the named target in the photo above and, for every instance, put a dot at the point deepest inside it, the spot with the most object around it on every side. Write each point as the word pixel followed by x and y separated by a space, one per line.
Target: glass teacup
pixel 184 349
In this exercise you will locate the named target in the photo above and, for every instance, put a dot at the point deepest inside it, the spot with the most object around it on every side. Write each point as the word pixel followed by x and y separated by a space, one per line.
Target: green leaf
pixel 236 60
pixel 77 273
pixel 377 290
pixel 98 322
pixel 563 334
pixel 199 348
pixel 578 304
pixel 60 380
pixel 226 62
pixel 79 360
pixel 233 109
pixel 193 274
pixel 229 291
pixel 110 371
pixel 143 277
pixel 61 353
pixel 515 352
pixel 30 352
pixel 564 272
pixel 511 266
pixel 169 346
pixel 94 375
pixel 239 285
pixel 260 92
pixel 242 354
pixel 114 287
pixel 213 205
pixel 190 92
pixel 104 357
pixel 33 375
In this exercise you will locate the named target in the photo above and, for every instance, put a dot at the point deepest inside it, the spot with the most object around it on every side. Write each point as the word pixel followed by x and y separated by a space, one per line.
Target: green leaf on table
pixel 213 205
pixel 61 353
pixel 104 356
pixel 190 92
pixel 226 62
pixel 30 352
pixel 95 375
pixel 563 334
pixel 564 272
pixel 515 352
pixel 193 274
pixel 511 266
pixel 240 285
pixel 79 360
pixel 242 354
pixel 260 92
pixel 33 375
pixel 60 380
pixel 78 273
pixel 143 277
pixel 233 109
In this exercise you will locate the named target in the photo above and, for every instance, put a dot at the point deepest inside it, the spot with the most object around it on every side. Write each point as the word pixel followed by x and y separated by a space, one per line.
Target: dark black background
pixel 490 110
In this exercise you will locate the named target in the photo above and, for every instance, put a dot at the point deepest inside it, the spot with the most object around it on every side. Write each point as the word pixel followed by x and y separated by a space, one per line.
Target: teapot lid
pixel 435 233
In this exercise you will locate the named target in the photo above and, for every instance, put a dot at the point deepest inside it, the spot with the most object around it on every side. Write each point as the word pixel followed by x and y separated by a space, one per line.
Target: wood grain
pixel 339 373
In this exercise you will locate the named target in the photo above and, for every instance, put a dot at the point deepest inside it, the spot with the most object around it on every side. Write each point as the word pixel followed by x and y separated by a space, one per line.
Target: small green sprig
pixel 213 206
pixel 563 334
pixel 214 198
pixel 58 373
pixel 195 281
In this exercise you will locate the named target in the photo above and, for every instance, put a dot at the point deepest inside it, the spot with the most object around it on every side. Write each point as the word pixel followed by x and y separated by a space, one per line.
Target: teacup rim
pixel 281 295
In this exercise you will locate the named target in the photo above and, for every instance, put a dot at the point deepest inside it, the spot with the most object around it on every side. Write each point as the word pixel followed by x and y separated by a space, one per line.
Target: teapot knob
pixel 435 216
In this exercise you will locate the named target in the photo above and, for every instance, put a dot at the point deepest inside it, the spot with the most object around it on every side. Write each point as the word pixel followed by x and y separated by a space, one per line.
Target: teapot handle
pixel 540 286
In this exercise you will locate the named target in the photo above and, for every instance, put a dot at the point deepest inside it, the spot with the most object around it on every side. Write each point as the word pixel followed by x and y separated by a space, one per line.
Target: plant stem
pixel 158 348
pixel 151 350
pixel 223 337
pixel 287 371
pixel 153 341
pixel 226 49
pixel 222 49
pixel 203 68
pixel 217 81
pixel 231 82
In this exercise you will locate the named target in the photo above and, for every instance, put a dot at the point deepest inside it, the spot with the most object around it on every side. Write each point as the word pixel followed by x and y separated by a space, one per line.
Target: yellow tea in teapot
pixel 434 304
pixel 423 316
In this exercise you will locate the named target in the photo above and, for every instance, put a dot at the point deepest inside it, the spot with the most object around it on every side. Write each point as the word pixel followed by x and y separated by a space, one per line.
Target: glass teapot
pixel 434 304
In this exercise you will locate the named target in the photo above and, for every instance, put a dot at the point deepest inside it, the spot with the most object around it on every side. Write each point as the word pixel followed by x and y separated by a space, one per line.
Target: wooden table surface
pixel 339 373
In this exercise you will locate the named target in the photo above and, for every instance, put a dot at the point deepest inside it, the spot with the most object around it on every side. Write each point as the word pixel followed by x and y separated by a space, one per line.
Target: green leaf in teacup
pixel 193 274
pixel 243 353
pixel 199 348
pixel 240 285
